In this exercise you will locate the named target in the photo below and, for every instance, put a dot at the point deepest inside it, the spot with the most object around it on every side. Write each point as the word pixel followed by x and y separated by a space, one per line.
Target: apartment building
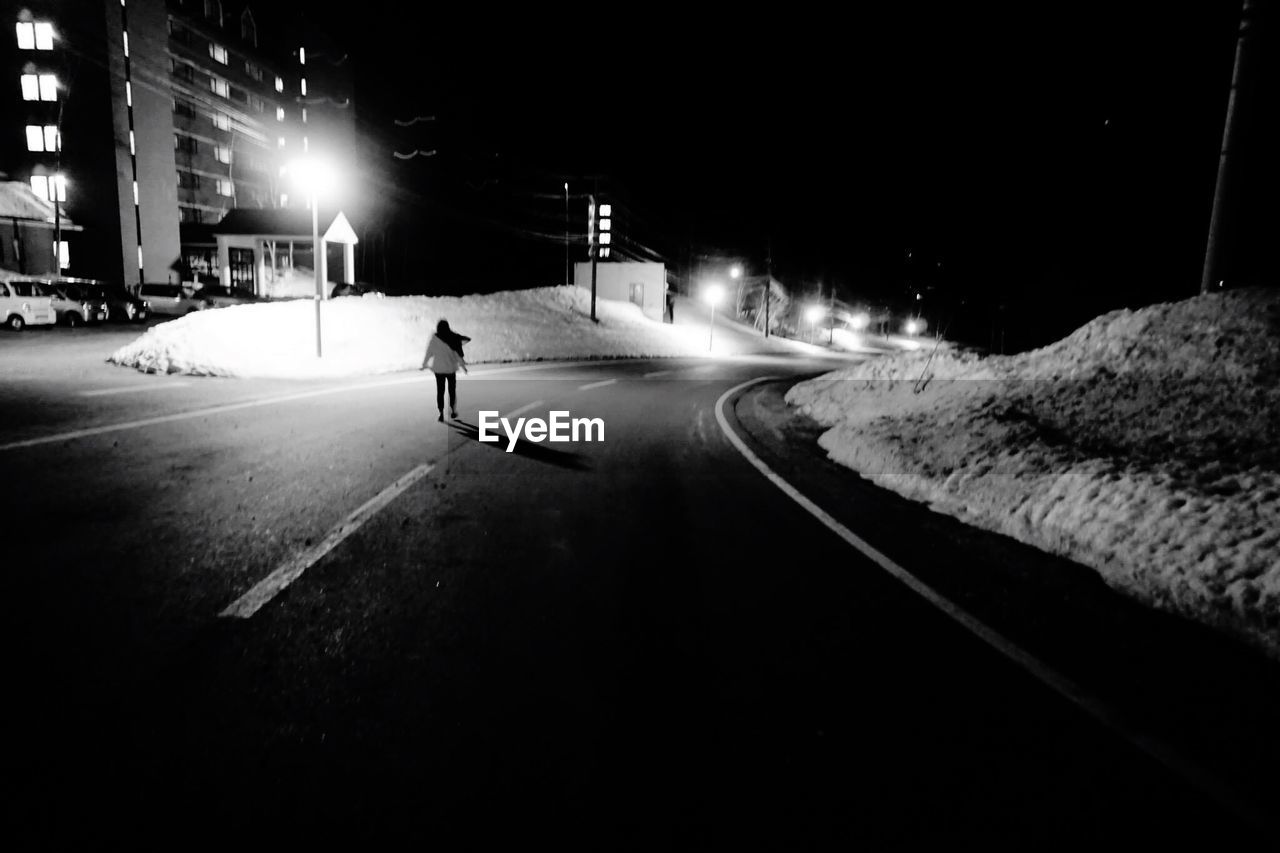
pixel 148 120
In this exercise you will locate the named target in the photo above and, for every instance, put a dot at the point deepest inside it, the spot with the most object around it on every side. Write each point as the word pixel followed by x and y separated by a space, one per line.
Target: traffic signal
pixel 606 229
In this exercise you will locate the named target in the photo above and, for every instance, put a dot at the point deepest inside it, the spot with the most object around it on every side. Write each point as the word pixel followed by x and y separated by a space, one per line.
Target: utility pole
pixel 594 251
pixel 768 282
pixel 566 232
pixel 1213 248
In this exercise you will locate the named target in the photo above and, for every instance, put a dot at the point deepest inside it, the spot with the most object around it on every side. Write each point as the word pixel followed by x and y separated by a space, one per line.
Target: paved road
pixel 633 644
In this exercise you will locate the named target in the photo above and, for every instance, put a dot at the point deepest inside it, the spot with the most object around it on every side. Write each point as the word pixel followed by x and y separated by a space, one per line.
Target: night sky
pixel 1055 158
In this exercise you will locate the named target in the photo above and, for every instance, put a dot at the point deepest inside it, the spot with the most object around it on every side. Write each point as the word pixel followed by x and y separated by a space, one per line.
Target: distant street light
pixel 913 326
pixel 859 321
pixel 735 271
pixel 814 314
pixel 712 293
pixel 313 176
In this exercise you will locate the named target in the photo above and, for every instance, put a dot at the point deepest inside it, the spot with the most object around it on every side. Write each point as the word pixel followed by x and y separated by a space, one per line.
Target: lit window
pixel 302 56
pixel 279 84
pixel 280 142
pixel 279 113
pixel 222 121
pixel 605 238
pixel 26 35
pixel 42 138
pixel 225 188
pixel 284 199
pixel 132 148
pixel 139 257
pixel 30 87
pixel 126 43
pixel 219 87
pixel 48 87
pixel 64 254
pixel 304 115
pixel 128 93
pixel 61 182
pixel 40 186
pixel 135 193
pixel 218 52
pixel 44 36
pixel 304 87
pixel 222 153
pixel 305 146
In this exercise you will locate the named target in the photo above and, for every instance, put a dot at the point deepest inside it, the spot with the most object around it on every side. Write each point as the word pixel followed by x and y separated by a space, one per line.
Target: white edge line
pixel 1198 777
pixel 600 384
pixel 289 571
pixel 132 389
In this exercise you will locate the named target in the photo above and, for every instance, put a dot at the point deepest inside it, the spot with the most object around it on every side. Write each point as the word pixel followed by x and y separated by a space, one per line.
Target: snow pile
pixel 379 335
pixel 1146 445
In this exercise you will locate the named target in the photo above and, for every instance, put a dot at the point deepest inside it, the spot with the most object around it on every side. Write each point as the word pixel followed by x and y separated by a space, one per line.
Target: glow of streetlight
pixel 314 176
pixel 815 313
pixel 735 271
pixel 713 293
pixel 859 321
pixel 913 326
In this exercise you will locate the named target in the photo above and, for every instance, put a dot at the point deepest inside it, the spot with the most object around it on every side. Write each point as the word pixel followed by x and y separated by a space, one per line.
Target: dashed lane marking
pixel 253 404
pixel 1198 777
pixel 657 373
pixel 276 582
pixel 600 384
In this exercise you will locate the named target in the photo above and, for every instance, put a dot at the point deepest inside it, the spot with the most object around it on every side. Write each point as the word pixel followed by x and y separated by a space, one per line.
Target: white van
pixel 25 303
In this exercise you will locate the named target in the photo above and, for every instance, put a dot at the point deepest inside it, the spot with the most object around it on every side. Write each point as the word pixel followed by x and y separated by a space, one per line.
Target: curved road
pixel 638 644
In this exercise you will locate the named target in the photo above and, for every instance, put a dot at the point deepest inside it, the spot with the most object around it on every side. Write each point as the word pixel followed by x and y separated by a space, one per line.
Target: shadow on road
pixel 529 450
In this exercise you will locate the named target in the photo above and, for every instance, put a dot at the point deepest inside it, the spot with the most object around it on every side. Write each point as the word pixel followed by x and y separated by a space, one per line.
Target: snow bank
pixel 1146 445
pixel 379 335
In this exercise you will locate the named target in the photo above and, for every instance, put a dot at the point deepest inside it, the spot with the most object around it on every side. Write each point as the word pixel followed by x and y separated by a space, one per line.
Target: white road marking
pixel 600 384
pixel 253 404
pixel 132 389
pixel 1200 778
pixel 520 411
pixel 288 572
pixel 657 373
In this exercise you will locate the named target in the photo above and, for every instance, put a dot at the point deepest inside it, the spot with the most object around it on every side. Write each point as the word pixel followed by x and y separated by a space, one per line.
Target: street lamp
pixel 735 273
pixel 712 293
pixel 814 314
pixel 313 176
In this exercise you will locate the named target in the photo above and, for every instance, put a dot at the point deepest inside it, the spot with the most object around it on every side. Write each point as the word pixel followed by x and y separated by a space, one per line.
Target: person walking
pixel 443 358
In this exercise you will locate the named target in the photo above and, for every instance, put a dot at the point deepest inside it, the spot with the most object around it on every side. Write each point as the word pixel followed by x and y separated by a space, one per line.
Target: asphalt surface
pixel 633 644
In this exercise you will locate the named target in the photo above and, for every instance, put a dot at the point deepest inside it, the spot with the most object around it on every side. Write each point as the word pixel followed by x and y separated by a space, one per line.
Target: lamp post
pixel 712 294
pixel 814 314
pixel 311 175
pixel 735 273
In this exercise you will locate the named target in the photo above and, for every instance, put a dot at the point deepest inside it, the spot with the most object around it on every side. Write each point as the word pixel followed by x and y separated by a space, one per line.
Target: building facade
pixel 149 120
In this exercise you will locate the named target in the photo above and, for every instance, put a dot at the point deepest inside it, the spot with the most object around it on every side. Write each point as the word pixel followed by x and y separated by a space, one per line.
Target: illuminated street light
pixel 314 176
pixel 712 294
pixel 859 321
pixel 913 326
pixel 814 314
pixel 735 271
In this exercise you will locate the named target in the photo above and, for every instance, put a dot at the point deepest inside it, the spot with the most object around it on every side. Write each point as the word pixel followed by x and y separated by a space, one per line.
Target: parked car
pixel 173 300
pixel 74 305
pixel 218 296
pixel 122 304
pixel 25 303
pixel 347 289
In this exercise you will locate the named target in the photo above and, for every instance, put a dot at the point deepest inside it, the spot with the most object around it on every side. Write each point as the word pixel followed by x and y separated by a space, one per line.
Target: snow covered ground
pixel 1146 445
pixel 379 335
